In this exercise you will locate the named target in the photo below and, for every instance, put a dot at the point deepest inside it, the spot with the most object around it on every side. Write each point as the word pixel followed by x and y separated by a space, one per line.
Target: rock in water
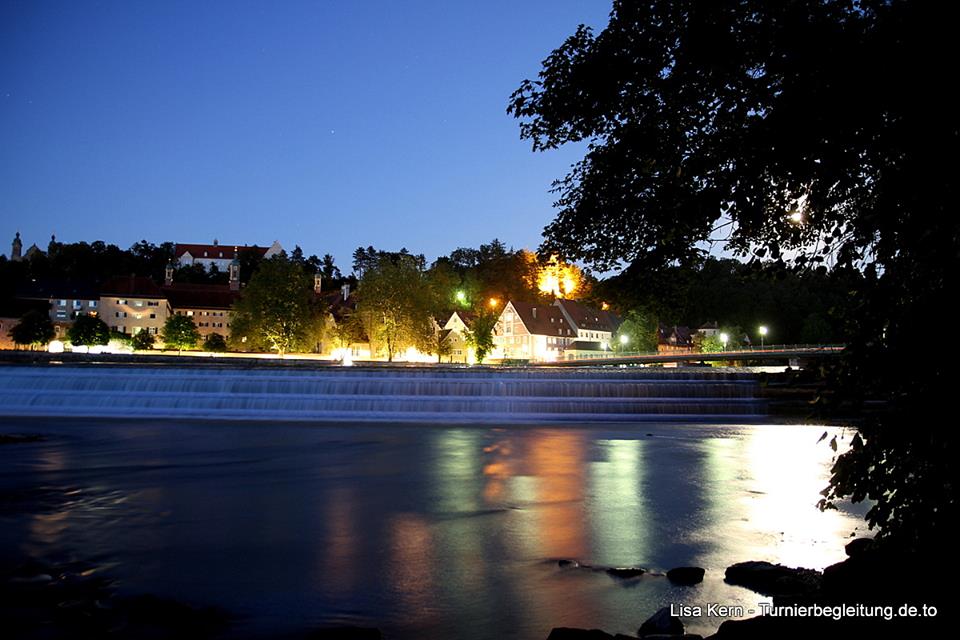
pixel 685 575
pixel 774 579
pixel 626 572
pixel 661 623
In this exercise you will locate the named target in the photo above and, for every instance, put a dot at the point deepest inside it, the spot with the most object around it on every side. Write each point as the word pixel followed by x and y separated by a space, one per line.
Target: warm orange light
pixel 559 278
pixel 494 302
pixel 604 306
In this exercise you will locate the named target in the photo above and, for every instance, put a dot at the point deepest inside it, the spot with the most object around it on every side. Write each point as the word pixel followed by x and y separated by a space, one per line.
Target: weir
pixel 383 394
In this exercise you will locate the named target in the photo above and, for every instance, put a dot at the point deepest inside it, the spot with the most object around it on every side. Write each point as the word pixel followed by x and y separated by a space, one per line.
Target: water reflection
pixel 619 519
pixel 429 532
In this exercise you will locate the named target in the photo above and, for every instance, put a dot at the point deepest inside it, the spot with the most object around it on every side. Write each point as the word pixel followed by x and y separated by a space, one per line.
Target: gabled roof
pixel 215 251
pixel 136 286
pixel 588 318
pixel 184 295
pixel 466 317
pixel 537 319
pixel 675 335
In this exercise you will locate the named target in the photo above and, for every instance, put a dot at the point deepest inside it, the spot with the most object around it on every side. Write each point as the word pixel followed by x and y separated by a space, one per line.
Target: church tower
pixel 17 253
pixel 317 282
pixel 168 274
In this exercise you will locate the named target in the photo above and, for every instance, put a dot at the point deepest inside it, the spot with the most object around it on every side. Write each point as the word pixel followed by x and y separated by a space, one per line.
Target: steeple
pixel 168 274
pixel 17 253
pixel 317 282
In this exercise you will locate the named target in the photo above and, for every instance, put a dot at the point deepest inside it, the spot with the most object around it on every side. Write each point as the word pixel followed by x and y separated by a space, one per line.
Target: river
pixel 423 531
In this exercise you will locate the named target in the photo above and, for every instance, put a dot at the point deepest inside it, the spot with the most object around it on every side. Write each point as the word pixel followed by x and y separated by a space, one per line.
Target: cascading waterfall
pixel 409 394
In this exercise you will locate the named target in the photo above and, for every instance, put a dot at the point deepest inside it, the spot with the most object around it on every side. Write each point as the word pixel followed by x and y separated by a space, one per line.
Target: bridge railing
pixel 767 349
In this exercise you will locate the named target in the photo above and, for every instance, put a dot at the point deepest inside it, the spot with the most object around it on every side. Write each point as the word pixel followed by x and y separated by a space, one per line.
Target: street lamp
pixel 624 339
pixel 763 334
pixel 493 303
pixel 461 297
pixel 723 339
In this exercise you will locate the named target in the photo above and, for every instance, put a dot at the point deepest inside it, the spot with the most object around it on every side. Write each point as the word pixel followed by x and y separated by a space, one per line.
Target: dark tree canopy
pixel 88 330
pixel 802 132
pixel 34 329
pixel 752 111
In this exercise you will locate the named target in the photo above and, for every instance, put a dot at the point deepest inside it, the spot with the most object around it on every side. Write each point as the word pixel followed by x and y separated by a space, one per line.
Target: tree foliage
pixel 277 309
pixel 143 341
pixel 88 330
pixel 180 332
pixel 801 133
pixel 395 304
pixel 34 329
pixel 215 342
pixel 480 334
pixel 640 328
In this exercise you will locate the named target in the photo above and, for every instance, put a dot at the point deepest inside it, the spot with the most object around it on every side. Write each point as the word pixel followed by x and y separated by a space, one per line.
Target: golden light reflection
pixel 555 459
pixel 411 574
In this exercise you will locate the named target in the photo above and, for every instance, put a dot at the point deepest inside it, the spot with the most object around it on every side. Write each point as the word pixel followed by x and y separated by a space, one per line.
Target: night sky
pixel 325 124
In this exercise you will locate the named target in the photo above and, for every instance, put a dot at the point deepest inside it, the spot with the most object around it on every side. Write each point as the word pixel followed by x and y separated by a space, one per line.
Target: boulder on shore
pixel 661 624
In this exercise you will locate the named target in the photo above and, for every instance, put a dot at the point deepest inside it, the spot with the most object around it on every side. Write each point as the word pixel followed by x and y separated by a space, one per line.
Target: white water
pixel 377 394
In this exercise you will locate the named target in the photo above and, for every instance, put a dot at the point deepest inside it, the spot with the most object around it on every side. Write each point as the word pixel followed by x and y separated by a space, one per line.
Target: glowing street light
pixel 461 297
pixel 724 337
pixel 493 303
pixel 763 334
pixel 624 338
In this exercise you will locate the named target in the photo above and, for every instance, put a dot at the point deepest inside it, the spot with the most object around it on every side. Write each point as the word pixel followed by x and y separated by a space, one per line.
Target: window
pixel 189 313
pixel 153 315
pixel 61 303
pixel 121 302
pixel 138 303
pixel 116 314
pixel 78 304
pixel 92 304
pixel 152 303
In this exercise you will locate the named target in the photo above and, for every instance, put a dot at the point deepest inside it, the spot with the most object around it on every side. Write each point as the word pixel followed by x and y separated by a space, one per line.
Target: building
pixel 454 334
pixel 132 304
pixel 65 300
pixel 564 329
pixel 674 339
pixel 530 331
pixel 216 254
pixel 209 305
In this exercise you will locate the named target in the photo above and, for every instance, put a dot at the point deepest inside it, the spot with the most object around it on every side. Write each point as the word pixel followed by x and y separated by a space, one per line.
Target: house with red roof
pixel 549 332
pixel 218 254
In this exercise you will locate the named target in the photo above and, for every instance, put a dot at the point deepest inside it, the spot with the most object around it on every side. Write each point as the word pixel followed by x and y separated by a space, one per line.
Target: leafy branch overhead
pixel 820 132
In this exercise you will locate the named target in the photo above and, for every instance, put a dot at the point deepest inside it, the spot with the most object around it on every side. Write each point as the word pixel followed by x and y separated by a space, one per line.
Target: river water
pixel 423 531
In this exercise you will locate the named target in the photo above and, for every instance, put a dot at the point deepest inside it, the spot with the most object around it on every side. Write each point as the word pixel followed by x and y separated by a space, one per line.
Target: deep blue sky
pixel 325 124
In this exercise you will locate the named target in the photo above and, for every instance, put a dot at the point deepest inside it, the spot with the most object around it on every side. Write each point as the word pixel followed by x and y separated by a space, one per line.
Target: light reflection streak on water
pixel 618 517
pixel 340 552
pixel 787 468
